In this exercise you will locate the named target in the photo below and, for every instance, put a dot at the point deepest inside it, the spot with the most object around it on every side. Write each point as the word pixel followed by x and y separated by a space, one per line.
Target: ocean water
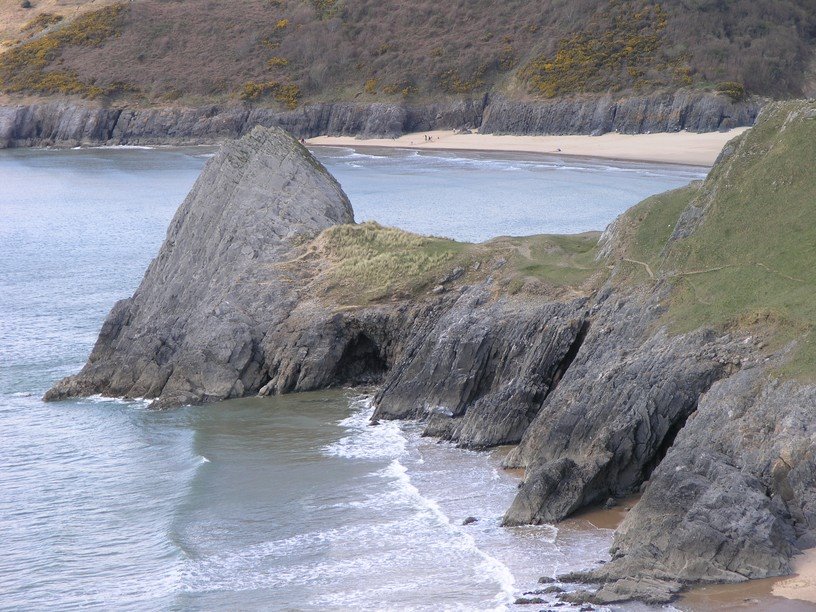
pixel 478 196
pixel 274 503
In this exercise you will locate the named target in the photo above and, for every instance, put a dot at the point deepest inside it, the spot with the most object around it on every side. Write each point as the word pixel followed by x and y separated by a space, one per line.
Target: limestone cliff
pixel 672 357
pixel 195 326
pixel 67 125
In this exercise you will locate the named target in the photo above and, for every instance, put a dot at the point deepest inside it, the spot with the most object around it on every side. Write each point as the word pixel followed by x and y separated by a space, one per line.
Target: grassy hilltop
pixel 736 250
pixel 287 52
pixel 748 262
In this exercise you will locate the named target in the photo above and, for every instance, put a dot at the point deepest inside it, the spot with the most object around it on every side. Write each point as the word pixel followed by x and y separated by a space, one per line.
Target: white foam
pixel 387 441
pixel 138 402
pixel 488 564
pixel 367 441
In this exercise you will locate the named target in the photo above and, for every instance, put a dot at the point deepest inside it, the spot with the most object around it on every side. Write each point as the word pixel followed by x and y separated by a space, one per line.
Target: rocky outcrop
pixel 733 499
pixel 194 329
pixel 669 112
pixel 593 441
pixel 66 125
pixel 481 372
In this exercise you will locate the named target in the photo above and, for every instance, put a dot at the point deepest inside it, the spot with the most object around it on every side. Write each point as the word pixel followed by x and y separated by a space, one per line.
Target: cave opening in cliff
pixel 667 442
pixel 570 356
pixel 361 363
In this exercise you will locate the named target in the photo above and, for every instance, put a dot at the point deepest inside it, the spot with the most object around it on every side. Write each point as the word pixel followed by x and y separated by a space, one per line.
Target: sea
pixel 286 503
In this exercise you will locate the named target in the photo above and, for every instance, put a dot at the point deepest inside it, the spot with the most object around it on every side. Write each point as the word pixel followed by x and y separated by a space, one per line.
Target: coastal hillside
pixel 286 53
pixel 671 356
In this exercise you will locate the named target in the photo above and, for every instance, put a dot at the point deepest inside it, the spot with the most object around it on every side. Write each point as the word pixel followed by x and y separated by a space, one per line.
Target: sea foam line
pixel 387 441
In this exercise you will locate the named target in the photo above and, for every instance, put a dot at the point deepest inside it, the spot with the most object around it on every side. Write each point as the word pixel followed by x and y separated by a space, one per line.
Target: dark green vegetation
pixel 284 52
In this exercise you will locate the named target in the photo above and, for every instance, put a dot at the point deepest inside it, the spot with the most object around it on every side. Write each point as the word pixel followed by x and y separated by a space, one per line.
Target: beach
pixel 670 148
pixel 802 585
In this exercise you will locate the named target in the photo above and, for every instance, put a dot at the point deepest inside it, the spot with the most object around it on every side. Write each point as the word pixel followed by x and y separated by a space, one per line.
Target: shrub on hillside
pixel 735 91
pixel 26 67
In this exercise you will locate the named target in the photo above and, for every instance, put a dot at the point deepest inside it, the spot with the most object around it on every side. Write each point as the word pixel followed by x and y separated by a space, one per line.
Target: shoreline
pixel 676 148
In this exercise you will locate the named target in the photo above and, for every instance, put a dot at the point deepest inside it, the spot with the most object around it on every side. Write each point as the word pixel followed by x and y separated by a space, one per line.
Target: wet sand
pixel 792 594
pixel 672 148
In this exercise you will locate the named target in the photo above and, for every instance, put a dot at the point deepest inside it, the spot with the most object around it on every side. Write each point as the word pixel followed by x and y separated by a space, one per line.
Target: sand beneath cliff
pixel 802 585
pixel 672 148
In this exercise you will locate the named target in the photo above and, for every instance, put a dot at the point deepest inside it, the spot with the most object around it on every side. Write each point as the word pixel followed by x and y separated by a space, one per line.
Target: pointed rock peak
pixel 192 331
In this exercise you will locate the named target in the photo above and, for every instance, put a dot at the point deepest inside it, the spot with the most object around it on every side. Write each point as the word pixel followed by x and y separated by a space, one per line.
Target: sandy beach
pixel 669 148
pixel 802 585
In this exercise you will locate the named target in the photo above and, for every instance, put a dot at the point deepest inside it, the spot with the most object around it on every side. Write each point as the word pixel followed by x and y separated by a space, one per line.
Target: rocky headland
pixel 68 124
pixel 670 355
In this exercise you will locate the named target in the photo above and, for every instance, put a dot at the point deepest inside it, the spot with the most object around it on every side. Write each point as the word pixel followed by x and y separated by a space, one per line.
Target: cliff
pixel 65 124
pixel 195 325
pixel 671 355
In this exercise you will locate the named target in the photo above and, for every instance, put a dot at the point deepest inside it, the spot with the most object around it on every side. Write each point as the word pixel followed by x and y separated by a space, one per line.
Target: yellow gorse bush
pixel 25 67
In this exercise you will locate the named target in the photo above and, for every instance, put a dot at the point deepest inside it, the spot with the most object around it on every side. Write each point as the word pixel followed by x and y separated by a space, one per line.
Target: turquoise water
pixel 261 503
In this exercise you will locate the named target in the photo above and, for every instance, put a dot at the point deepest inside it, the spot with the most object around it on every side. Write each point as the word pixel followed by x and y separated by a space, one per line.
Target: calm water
pixel 256 504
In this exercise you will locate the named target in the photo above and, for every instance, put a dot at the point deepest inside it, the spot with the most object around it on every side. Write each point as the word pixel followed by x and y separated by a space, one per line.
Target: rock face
pixel 734 498
pixel 482 371
pixel 62 124
pixel 590 442
pixel 670 112
pixel 193 329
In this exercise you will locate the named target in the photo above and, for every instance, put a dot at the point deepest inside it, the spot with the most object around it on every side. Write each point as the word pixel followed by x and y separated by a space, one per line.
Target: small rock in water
pixel 469 520
pixel 610 503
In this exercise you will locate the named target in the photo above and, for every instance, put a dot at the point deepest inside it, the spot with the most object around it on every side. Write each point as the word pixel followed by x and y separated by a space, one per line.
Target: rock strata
pixel 733 499
pixel 481 373
pixel 67 125
pixel 590 442
pixel 669 112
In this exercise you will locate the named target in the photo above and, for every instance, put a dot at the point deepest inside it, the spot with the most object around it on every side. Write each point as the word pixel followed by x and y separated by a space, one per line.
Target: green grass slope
pixel 367 263
pixel 749 263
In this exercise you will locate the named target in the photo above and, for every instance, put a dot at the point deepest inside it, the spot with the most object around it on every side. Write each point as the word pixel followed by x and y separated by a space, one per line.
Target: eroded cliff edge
pixel 672 356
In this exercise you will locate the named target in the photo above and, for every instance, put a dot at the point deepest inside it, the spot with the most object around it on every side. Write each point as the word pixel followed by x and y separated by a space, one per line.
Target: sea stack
pixel 193 331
